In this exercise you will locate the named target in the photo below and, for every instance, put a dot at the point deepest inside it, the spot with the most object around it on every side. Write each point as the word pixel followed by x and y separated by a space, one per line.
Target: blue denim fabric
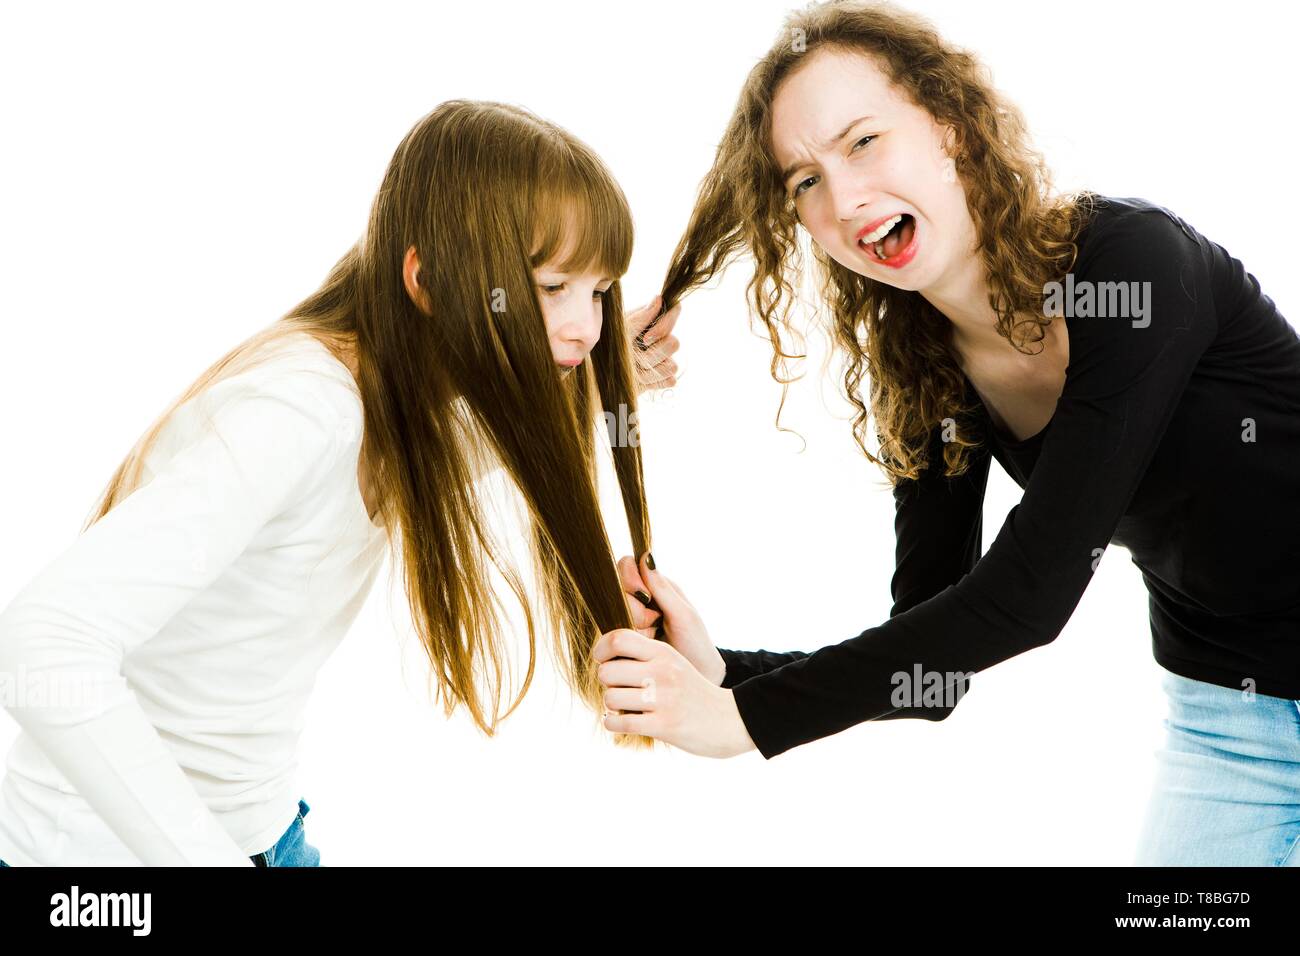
pixel 1227 788
pixel 292 849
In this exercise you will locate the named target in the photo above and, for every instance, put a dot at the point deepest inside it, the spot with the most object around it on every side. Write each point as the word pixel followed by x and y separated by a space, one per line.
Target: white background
pixel 176 176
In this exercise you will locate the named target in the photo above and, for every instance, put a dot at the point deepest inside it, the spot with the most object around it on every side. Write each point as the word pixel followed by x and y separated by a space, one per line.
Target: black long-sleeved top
pixel 1176 436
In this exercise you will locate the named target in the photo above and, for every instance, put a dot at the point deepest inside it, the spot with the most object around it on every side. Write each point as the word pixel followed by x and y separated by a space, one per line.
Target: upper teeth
pixel 882 230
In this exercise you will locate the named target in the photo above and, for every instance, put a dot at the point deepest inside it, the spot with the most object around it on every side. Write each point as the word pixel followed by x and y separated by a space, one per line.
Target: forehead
pixel 563 263
pixel 824 94
pixel 577 235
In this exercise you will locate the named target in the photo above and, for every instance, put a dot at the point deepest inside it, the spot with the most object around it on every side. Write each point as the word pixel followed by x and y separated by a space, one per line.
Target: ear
pixel 949 139
pixel 948 164
pixel 410 269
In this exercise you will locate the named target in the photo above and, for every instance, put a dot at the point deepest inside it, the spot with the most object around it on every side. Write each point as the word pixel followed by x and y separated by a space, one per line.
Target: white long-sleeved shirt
pixel 160 667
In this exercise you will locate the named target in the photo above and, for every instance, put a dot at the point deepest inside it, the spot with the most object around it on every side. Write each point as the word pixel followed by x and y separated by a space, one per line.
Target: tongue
pixel 898 237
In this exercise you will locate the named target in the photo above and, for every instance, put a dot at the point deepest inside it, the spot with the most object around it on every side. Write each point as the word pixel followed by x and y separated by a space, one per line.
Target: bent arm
pixel 119 584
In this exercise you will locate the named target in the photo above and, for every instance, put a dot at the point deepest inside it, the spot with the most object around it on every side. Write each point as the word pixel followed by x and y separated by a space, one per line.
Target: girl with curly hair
pixel 1126 371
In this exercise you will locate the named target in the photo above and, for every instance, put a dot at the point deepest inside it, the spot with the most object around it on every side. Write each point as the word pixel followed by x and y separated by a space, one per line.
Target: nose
pixel 848 195
pixel 581 327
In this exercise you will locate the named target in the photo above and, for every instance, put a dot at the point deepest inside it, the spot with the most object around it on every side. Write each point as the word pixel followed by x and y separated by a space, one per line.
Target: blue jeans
pixel 292 849
pixel 1227 790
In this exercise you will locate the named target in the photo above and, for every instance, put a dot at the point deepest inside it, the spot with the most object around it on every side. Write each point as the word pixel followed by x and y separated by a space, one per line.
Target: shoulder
pixel 1138 260
pixel 1134 232
pixel 1140 293
pixel 295 404
pixel 299 374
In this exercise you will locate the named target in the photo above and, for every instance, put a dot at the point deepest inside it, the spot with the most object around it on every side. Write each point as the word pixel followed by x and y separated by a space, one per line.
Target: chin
pixel 906 281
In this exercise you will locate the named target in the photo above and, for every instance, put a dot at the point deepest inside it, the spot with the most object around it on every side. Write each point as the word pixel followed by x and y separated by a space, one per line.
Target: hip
pixel 290 849
pixel 1227 783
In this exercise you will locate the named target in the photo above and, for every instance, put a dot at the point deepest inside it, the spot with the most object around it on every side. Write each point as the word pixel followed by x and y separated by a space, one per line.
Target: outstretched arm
pixel 1123 386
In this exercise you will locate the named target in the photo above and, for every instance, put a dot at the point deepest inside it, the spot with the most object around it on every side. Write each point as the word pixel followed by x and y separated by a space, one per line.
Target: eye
pixel 812 180
pixel 553 289
pixel 800 188
pixel 599 293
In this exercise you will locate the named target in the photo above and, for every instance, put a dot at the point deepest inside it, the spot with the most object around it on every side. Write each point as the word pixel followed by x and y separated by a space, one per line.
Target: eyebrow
pixel 794 167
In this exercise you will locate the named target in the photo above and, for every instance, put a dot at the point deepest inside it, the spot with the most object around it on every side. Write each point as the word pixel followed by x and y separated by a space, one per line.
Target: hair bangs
pixel 581 220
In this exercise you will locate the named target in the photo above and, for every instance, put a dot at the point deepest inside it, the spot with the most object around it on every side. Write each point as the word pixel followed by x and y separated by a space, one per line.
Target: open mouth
pixel 897 246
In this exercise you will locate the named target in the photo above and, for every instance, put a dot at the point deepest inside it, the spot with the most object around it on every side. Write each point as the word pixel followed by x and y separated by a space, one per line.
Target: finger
pixel 667 368
pixel 622 642
pixel 657 352
pixel 658 327
pixel 644 618
pixel 667 594
pixel 663 326
pixel 659 376
pixel 654 582
pixel 630 578
pixel 643 724
pixel 635 699
pixel 629 575
pixel 661 348
pixel 623 673
pixel 655 356
pixel 668 583
pixel 642 317
pixel 625 642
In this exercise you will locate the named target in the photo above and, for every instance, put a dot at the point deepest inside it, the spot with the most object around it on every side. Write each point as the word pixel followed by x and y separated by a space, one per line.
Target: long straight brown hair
pixel 485 192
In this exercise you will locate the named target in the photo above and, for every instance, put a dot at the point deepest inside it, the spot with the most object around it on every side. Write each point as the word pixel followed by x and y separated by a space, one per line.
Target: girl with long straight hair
pixel 1126 371
pixel 477 324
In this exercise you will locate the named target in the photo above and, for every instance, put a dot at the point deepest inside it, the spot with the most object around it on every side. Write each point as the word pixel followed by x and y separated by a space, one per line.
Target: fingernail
pixel 642 597
pixel 649 560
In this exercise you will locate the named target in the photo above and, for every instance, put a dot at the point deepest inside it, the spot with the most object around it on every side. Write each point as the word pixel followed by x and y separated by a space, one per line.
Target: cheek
pixel 829 236
pixel 933 184
pixel 551 319
pixel 835 246
pixel 818 218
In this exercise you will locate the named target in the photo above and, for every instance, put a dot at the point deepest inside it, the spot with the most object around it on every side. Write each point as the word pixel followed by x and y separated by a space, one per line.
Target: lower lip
pixel 902 257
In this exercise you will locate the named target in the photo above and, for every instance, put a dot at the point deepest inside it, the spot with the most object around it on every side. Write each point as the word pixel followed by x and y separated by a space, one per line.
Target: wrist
pixel 743 742
pixel 719 675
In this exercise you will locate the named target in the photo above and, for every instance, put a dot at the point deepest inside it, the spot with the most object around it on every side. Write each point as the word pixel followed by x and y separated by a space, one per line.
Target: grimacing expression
pixel 859 157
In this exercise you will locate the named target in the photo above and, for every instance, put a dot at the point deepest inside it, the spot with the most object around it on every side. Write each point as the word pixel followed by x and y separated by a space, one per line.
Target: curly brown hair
pixel 895 338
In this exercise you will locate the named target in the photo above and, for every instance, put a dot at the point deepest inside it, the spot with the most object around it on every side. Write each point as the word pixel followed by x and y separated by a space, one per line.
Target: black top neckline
pixel 1004 441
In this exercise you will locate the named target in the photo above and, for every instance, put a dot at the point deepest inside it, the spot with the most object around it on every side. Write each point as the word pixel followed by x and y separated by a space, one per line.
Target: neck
pixel 347 354
pixel 963 298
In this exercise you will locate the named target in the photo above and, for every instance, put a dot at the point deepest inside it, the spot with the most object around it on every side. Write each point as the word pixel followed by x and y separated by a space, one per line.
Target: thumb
pixel 647 313
pixel 672 603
